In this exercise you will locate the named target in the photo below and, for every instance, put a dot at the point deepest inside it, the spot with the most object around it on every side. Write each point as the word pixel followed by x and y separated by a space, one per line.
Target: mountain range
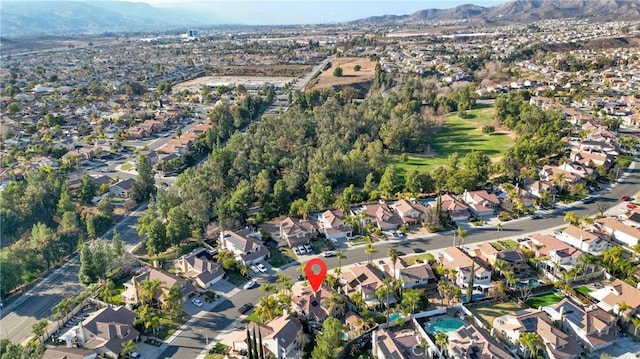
pixel 74 17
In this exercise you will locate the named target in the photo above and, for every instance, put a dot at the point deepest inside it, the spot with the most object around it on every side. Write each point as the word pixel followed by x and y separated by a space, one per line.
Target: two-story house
pixel 294 231
pixel 132 292
pixel 280 337
pixel 557 344
pixel 245 244
pixel 122 189
pixel 310 304
pixel 201 267
pixel 365 279
pixel 619 231
pixel 481 203
pixel 457 210
pixel 595 328
pixel 454 258
pixel 587 241
pixel 616 295
pixel 389 344
pixel 556 256
pixel 333 224
pixel 513 259
pixel 536 188
pixel 380 215
pixel 410 213
pixel 471 341
pixel 415 275
pixel 104 331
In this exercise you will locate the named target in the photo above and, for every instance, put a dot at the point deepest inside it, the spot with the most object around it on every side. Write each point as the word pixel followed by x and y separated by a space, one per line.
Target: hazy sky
pixel 303 11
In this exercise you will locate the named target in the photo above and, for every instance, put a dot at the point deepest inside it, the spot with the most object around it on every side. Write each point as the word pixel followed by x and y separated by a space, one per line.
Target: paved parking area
pixel 625 348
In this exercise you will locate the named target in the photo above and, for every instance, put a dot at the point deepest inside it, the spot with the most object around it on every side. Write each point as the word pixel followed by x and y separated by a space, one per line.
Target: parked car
pixel 262 268
pixel 296 251
pixel 308 248
pixel 197 302
pixel 245 308
pixel 329 254
pixel 301 249
pixel 588 200
pixel 536 216
pixel 250 284
pixel 632 206
pixel 255 269
pixel 135 355
pixel 625 198
pixel 418 250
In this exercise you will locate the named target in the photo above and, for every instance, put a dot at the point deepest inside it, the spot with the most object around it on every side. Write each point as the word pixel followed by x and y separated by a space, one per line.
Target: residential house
pixel 537 187
pixel 592 159
pixel 365 279
pixel 200 267
pixel 514 260
pixel 557 344
pixel 481 203
pixel 619 231
pixel 310 304
pixel 592 326
pixel 559 176
pixel 611 296
pixel 418 274
pixel 104 331
pixel 410 213
pixel 122 189
pixel 633 218
pixel 131 294
pixel 68 353
pixel 454 258
pixel 556 255
pixel 457 210
pixel 389 344
pixel 579 170
pixel 334 226
pixel 245 244
pixel 280 336
pixel 587 241
pixel 380 215
pixel 471 341
pixel 294 231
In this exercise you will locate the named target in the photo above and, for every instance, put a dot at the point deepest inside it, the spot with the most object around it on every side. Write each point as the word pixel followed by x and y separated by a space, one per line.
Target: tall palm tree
pixel 128 347
pixel 442 290
pixel 148 289
pixel 441 341
pixel 393 255
pixel 530 341
pixel 510 278
pixel 461 235
pixel 268 288
pixel 268 308
pixel 410 299
pixel 500 266
pixel 499 229
pixel 571 217
pixel 340 255
pixel 370 250
pixel 284 281
pixel 173 301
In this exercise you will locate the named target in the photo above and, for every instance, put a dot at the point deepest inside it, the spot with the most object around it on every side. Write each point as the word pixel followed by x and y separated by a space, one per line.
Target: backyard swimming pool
pixel 533 283
pixel 445 325
pixel 394 316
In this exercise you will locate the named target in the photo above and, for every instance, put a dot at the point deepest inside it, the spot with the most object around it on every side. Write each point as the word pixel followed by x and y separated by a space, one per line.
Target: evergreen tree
pixel 249 346
pixel 64 203
pixel 86 274
pixel 471 282
pixel 145 185
pixel 90 226
pixel 260 348
pixel 87 190
pixel 117 243
pixel 255 344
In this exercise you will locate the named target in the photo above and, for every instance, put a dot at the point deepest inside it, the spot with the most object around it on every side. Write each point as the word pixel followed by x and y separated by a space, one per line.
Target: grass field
pixel 425 257
pixel 350 76
pixel 462 136
pixel 253 317
pixel 544 300
pixel 490 312
pixel 583 290
pixel 281 256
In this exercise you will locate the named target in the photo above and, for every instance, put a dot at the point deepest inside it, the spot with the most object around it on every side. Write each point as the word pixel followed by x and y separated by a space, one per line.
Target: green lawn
pixel 497 246
pixel 127 166
pixel 236 279
pixel 583 290
pixel 489 312
pixel 459 135
pixel 544 300
pixel 253 317
pixel 425 257
pixel 510 244
pixel 321 245
pixel 281 256
pixel 359 240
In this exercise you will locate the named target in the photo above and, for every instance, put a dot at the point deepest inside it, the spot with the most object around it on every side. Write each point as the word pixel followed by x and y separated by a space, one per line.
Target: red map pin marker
pixel 316 270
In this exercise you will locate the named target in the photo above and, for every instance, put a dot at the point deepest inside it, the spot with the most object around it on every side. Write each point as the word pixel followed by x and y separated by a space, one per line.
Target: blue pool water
pixel 445 325
pixel 533 283
pixel 393 317
pixel 475 296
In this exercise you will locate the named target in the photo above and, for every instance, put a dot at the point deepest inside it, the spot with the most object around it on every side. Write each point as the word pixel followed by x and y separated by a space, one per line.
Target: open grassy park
pixel 489 312
pixel 460 135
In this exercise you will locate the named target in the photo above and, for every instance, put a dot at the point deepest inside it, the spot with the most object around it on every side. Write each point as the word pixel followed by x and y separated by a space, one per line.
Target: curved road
pixel 192 341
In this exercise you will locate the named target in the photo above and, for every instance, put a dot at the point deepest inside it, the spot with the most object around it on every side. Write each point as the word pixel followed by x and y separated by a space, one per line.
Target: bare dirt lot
pixel 194 85
pixel 263 70
pixel 48 43
pixel 349 76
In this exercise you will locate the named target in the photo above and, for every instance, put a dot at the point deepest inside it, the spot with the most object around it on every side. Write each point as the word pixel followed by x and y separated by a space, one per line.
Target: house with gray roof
pixel 201 267
pixel 246 245
pixel 122 189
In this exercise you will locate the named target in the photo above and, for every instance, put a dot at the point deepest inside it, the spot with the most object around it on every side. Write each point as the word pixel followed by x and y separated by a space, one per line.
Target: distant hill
pixel 523 11
pixel 26 18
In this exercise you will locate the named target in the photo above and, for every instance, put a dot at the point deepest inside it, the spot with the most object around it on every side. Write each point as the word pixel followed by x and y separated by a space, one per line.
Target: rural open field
pixel 194 85
pixel 349 77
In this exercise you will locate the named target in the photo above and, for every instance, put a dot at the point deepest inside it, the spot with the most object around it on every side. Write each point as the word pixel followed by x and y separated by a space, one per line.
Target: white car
pixel 308 248
pixel 197 302
pixel 262 268
pixel 296 251
pixel 255 269
pixel 250 284
pixel 301 249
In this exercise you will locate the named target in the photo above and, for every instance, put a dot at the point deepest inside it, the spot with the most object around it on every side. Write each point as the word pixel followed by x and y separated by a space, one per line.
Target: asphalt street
pixel 36 303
